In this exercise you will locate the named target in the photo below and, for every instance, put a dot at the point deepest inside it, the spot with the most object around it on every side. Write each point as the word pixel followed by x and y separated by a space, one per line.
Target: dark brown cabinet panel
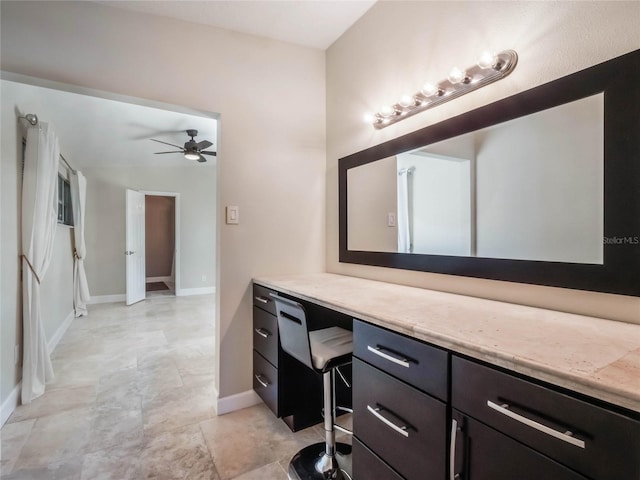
pixel 369 465
pixel 265 335
pixel 482 453
pixel 399 423
pixel 585 437
pixel 421 365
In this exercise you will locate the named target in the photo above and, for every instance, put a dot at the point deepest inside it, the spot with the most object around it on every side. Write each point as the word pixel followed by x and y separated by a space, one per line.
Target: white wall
pixel 105 222
pixel 57 285
pixel 441 203
pixel 540 186
pixel 271 156
pixel 373 63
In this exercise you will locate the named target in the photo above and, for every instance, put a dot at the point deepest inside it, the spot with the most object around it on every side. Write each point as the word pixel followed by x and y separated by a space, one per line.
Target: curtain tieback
pixel 33 270
pixel 75 254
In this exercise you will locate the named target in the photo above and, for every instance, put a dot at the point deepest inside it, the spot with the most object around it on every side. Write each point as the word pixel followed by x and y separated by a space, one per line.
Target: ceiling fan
pixel 192 150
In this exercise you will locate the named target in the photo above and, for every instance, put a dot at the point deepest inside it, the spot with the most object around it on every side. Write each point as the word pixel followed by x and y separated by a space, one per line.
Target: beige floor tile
pixel 273 471
pixel 116 463
pixel 179 454
pixel 55 401
pixel 12 438
pixel 55 439
pixel 171 409
pixel 114 425
pixel 68 469
pixel 247 439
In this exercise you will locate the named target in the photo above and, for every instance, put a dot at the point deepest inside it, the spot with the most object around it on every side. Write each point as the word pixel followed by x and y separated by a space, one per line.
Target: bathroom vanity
pixel 447 386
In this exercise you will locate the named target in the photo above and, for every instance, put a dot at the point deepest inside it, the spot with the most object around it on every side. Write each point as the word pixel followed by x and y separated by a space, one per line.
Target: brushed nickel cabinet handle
pixel 376 413
pixel 378 351
pixel 564 436
pixel 261 381
pixel 262 299
pixel 452 451
pixel 262 332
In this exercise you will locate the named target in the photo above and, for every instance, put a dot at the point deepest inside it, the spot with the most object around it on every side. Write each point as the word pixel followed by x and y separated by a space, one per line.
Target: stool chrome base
pixel 311 463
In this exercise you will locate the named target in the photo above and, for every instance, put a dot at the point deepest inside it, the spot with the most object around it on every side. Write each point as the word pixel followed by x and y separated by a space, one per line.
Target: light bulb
pixel 192 156
pixel 368 118
pixel 429 89
pixel 487 60
pixel 407 100
pixel 456 75
pixel 386 111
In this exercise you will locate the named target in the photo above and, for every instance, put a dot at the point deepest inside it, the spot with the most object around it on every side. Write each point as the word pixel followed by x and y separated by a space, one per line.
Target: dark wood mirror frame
pixel 619 79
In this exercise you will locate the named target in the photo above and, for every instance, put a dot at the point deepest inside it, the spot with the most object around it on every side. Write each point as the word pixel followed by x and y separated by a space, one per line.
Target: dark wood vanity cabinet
pixel 292 391
pixel 421 412
pixel 400 406
pixel 505 426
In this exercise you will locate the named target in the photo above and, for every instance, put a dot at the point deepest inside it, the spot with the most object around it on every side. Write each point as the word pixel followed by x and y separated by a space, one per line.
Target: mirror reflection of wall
pixel 529 189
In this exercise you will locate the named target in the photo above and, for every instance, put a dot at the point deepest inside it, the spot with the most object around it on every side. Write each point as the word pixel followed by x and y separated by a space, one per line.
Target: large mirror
pixel 542 187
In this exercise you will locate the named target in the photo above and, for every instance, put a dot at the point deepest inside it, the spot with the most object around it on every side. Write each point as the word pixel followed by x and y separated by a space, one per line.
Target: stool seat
pixel 330 347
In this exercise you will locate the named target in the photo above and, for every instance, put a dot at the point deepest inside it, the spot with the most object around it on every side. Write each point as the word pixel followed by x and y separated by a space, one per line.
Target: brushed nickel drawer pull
pixel 378 351
pixel 260 381
pixel 564 436
pixel 452 451
pixel 262 299
pixel 262 332
pixel 376 413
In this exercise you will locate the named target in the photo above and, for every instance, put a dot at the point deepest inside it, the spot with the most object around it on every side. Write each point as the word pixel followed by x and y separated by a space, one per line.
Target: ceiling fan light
pixel 192 156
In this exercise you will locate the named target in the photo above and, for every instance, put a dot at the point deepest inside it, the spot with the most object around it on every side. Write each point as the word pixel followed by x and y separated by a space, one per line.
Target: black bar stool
pixel 323 351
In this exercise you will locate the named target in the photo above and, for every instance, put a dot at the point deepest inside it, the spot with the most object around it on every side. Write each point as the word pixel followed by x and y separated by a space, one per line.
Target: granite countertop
pixel 593 356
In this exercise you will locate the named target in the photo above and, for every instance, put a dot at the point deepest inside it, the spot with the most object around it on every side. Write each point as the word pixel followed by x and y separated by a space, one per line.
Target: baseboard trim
pixel 238 402
pixel 55 339
pixel 184 292
pixel 95 299
pixel 10 403
pixel 159 279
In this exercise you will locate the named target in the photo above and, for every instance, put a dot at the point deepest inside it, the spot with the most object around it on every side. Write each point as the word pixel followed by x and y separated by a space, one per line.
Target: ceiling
pixel 99 132
pixel 310 23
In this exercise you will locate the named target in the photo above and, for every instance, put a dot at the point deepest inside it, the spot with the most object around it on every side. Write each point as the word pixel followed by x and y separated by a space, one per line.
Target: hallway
pixel 133 398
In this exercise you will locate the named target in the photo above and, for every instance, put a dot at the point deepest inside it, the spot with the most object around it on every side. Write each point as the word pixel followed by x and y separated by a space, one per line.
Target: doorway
pixel 161 243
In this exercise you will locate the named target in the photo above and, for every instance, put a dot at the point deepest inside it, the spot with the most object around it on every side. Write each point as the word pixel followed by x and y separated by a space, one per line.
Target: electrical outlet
pixel 16 355
pixel 391 219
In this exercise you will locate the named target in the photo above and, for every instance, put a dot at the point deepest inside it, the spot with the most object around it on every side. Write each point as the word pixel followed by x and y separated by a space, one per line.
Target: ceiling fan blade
pixel 175 151
pixel 209 153
pixel 166 143
pixel 203 144
pixel 202 159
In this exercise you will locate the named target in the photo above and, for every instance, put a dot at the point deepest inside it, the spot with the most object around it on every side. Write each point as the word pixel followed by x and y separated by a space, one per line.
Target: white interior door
pixel 134 248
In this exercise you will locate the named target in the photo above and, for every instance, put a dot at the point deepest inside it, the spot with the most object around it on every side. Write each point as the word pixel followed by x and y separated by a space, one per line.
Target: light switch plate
pixel 391 219
pixel 233 215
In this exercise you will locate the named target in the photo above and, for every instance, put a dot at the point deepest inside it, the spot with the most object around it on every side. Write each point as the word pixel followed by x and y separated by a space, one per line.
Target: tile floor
pixel 133 398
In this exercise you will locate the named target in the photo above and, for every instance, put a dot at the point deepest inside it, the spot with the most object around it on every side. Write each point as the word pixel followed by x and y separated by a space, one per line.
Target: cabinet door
pixel 479 452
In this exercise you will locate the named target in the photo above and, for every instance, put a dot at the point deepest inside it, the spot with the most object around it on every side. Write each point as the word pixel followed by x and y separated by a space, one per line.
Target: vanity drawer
pixel 367 464
pixel 261 299
pixel 382 405
pixel 265 382
pixel 265 335
pixel 536 416
pixel 421 365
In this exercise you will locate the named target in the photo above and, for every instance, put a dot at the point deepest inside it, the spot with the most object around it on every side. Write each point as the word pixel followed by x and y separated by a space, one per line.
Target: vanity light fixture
pixel 490 68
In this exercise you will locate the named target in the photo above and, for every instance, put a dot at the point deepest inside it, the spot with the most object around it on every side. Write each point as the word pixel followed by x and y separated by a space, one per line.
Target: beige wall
pixel 271 161
pixel 373 194
pixel 57 285
pixel 105 222
pixel 159 213
pixel 373 63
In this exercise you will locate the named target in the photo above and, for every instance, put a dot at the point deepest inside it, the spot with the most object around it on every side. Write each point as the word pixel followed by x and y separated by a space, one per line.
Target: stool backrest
pixel 292 329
